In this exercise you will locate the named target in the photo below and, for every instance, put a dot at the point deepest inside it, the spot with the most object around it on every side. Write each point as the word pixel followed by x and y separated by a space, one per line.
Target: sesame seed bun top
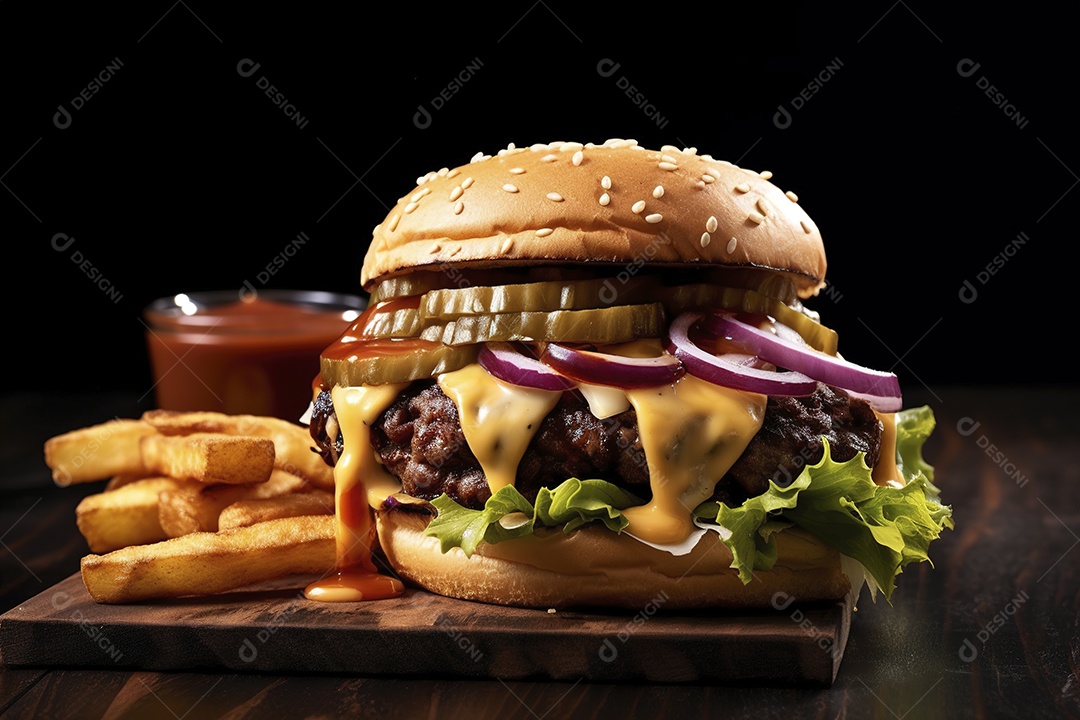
pixel 616 203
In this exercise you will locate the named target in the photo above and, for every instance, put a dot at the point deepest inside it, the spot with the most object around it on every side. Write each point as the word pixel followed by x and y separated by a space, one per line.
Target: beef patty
pixel 419 440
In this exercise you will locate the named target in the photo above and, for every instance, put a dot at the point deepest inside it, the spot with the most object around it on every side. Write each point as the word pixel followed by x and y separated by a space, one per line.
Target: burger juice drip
pixel 357 475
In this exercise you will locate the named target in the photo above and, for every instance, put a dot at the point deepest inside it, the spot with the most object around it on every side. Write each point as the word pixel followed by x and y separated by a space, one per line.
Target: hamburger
pixel 589 375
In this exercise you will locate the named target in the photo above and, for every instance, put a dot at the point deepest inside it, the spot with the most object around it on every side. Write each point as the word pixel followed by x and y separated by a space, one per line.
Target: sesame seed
pixel 549 158
pixel 707 178
pixel 555 197
pixel 544 232
pixel 443 171
pixel 792 196
pixel 578 157
pixel 699 185
pixel 419 194
pixel 690 151
pixel 767 174
pixel 706 238
pixel 731 245
pixel 638 207
pixel 467 183
pixel 458 207
pixel 711 224
pixel 658 191
pixel 455 251
pixel 669 159
pixel 478 157
pixel 654 218
pixel 669 166
pixel 507 244
pixel 517 171
pixel 605 182
pixel 743 188
pixel 435 248
pixel 410 207
pixel 510 188
pixel 454 173
pixel 669 150
pixel 805 226
pixel 456 193
pixel 763 206
pixel 568 146
pixel 394 221
pixel 756 218
pixel 605 199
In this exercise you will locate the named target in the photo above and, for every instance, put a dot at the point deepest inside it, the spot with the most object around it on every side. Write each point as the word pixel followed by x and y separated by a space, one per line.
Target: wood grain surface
pixel 992 630
pixel 424 634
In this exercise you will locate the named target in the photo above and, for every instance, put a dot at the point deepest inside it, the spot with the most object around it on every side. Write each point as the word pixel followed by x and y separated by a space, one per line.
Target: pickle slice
pixel 547 296
pixel 400 323
pixel 414 283
pixel 380 362
pixel 429 305
pixel 597 326
pixel 419 282
pixel 767 282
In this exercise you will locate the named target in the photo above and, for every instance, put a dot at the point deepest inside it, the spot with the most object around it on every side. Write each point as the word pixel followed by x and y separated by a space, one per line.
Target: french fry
pixel 209 563
pixel 97 452
pixel 118 481
pixel 243 513
pixel 125 516
pixel 209 457
pixel 292 442
pixel 196 507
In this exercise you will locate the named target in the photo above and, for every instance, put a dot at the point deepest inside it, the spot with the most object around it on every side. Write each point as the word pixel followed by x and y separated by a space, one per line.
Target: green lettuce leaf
pixel 913 427
pixel 883 528
pixel 507 514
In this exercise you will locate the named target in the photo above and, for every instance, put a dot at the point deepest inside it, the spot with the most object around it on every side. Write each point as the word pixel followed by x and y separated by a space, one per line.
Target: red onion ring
pixel 505 362
pixel 616 370
pixel 783 351
pixel 732 370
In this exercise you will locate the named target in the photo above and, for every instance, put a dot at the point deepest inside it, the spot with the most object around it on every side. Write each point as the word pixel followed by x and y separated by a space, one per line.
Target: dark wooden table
pixel 992 631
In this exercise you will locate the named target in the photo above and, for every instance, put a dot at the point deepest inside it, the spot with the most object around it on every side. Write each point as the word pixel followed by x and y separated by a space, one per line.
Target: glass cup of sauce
pixel 240 352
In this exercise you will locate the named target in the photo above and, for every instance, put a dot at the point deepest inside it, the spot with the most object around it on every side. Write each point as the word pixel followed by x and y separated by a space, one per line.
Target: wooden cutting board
pixel 278 631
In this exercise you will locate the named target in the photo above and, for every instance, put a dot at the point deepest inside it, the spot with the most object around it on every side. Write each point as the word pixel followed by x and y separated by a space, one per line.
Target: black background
pixel 180 174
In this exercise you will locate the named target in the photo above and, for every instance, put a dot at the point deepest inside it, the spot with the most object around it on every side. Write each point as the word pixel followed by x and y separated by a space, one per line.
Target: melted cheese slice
pixel 358 471
pixel 497 418
pixel 692 432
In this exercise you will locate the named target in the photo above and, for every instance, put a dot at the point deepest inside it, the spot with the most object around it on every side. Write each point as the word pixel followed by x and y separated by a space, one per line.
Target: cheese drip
pixel 692 432
pixel 360 479
pixel 498 419
pixel 886 472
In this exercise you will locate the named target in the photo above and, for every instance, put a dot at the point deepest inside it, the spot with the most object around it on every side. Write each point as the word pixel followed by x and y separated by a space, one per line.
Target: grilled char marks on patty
pixel 419 439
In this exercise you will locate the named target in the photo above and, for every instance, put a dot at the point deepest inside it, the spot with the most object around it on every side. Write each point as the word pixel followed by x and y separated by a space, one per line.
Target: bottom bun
pixel 595 567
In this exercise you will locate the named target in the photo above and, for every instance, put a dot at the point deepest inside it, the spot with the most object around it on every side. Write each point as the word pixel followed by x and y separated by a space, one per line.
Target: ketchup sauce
pixel 243 353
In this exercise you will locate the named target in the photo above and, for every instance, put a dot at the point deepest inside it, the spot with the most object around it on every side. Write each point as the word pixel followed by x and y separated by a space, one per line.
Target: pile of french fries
pixel 196 503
